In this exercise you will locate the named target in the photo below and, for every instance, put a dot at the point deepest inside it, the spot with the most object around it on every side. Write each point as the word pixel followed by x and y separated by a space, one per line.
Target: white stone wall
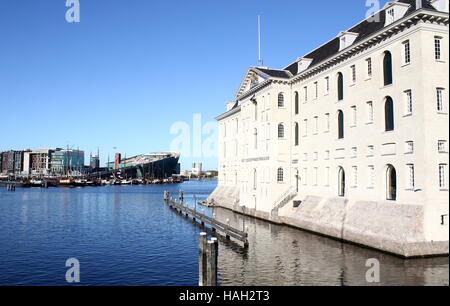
pixel 320 153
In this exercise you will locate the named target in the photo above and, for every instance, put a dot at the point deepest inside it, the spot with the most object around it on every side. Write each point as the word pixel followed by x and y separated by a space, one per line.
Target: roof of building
pixel 364 29
pixel 275 73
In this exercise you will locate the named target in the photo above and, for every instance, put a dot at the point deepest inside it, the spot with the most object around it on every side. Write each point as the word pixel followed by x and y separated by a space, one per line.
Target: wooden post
pixel 216 257
pixel 202 265
pixel 212 264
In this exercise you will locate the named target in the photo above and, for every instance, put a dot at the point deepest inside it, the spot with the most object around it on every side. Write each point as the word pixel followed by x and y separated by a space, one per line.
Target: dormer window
pixel 440 5
pixel 390 15
pixel 395 11
pixel 346 39
pixel 303 64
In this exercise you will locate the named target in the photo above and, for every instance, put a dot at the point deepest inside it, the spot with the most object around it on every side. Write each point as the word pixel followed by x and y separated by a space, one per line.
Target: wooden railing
pixel 216 226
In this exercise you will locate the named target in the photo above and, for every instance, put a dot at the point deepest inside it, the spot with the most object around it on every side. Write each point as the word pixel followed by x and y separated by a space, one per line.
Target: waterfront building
pixel 95 161
pixel 38 161
pixel 11 162
pixel 197 169
pixel 18 162
pixel 117 161
pixel 152 165
pixel 350 140
pixel 4 162
pixel 65 162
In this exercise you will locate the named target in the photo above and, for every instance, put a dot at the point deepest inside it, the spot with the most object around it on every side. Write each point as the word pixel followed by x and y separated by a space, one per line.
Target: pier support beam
pixel 212 263
pixel 202 260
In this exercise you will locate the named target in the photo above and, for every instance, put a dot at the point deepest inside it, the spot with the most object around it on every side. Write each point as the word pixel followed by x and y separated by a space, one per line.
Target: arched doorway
pixel 391 183
pixel 341 182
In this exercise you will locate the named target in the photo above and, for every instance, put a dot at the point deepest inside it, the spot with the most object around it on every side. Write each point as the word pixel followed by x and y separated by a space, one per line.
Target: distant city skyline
pixel 118 80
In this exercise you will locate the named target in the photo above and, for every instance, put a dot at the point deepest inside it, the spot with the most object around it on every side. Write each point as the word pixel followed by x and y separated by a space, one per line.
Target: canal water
pixel 125 235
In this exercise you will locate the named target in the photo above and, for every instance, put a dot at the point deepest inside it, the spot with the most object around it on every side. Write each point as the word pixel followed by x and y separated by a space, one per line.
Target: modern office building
pixel 350 140
pixel 94 161
pixel 66 162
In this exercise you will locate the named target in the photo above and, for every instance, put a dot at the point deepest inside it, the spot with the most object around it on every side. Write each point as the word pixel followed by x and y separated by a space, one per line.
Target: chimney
pixel 418 4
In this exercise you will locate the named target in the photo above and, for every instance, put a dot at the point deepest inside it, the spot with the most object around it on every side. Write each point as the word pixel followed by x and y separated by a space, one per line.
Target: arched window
pixel 255 179
pixel 340 124
pixel 281 131
pixel 387 68
pixel 389 114
pixel 341 182
pixel 296 134
pixel 340 86
pixel 297 110
pixel 255 134
pixel 391 183
pixel 280 99
pixel 280 175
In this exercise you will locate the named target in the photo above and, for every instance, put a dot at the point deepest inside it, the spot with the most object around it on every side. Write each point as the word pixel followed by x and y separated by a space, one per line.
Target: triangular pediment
pixel 252 78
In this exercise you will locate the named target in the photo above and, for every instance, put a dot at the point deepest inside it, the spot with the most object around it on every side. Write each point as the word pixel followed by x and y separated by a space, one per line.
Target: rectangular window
pixel 442 176
pixel 327 85
pixel 316 175
pixel 316 155
pixel 353 68
pixel 437 48
pixel 439 99
pixel 410 178
pixel 327 155
pixel 371 176
pixel 327 122
pixel 407 54
pixel 442 146
pixel 409 147
pixel 369 112
pixel 354 115
pixel 409 102
pixel 305 127
pixel 305 176
pixel 316 85
pixel 305 89
pixel 370 151
pixel 305 156
pixel 354 152
pixel 369 67
pixel 316 125
pixel 390 15
pixel 355 176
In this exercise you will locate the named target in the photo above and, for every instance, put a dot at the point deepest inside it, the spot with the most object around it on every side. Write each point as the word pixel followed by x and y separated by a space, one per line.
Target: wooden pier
pixel 200 218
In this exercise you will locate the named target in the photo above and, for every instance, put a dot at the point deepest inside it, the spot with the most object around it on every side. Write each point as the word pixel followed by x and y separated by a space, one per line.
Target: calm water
pixel 126 236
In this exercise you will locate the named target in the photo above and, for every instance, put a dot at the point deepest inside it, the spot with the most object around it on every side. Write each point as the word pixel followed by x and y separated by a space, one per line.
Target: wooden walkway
pixel 216 226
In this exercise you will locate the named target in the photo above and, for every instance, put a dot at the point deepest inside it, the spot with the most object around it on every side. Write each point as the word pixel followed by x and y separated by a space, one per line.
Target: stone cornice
pixel 229 113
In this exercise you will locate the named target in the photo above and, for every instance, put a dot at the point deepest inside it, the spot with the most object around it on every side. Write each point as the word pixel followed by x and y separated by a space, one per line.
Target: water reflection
pixel 280 255
pixel 127 236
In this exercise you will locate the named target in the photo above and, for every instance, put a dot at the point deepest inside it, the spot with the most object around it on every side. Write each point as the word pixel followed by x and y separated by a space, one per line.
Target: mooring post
pixel 212 264
pixel 202 265
pixel 216 258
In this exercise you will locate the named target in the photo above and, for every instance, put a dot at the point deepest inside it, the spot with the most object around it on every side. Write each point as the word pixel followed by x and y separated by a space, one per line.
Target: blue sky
pixel 122 76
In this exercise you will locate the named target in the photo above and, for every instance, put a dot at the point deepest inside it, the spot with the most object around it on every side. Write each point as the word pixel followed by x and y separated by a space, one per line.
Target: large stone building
pixel 350 140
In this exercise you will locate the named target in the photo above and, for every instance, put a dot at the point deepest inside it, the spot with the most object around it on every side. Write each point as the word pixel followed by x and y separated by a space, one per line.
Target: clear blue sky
pixel 130 69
